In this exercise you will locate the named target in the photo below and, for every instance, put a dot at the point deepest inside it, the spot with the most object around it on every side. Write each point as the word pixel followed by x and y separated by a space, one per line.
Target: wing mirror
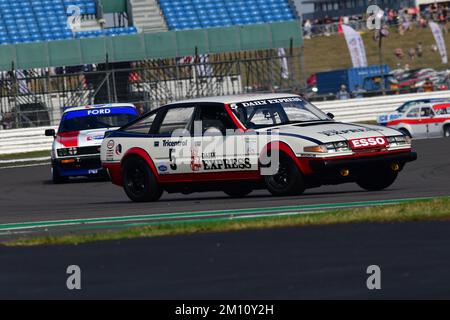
pixel 330 115
pixel 50 133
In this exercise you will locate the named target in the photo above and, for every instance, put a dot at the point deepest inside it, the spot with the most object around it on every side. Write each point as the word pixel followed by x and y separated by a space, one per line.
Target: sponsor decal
pixel 368 143
pixel 250 146
pixel 209 155
pixel 196 163
pixel 119 149
pixel 96 112
pixel 266 102
pixel 156 144
pixel 109 155
pixel 331 133
pixel 179 143
pixel 227 164
pixel 90 138
pixel 110 144
pixel 163 168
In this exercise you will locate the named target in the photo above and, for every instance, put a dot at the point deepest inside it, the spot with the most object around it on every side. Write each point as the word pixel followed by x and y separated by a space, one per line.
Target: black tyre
pixel 447 131
pixel 139 182
pixel 57 178
pixel 406 132
pixel 288 180
pixel 238 192
pixel 378 179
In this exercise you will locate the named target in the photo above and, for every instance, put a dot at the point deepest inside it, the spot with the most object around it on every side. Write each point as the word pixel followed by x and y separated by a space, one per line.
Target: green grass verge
pixel 415 211
pixel 27 155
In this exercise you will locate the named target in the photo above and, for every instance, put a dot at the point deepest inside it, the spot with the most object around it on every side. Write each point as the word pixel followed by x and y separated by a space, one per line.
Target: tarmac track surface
pixel 27 194
pixel 292 263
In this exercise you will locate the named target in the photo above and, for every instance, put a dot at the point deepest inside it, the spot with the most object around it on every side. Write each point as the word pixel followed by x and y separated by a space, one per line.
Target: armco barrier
pixel 33 139
pixel 369 108
pixel 24 140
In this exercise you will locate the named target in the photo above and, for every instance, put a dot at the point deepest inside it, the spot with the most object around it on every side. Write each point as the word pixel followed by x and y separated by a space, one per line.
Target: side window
pixel 142 126
pixel 414 113
pixel 215 116
pixel 426 112
pixel 176 119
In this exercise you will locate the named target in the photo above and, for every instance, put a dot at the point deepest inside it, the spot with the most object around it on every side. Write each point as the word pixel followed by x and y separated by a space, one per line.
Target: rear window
pixel 97 118
pixel 442 111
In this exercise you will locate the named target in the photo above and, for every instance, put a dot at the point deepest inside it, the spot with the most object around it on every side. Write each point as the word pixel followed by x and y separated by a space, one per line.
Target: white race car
pixel 76 147
pixel 424 121
pixel 400 111
pixel 237 144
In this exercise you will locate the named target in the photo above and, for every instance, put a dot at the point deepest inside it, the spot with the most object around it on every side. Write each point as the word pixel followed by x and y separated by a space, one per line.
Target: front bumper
pixel 78 166
pixel 362 162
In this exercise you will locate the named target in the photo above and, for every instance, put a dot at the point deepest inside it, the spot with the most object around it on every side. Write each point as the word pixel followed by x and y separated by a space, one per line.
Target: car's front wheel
pixel 447 131
pixel 377 179
pixel 288 179
pixel 139 181
pixel 57 178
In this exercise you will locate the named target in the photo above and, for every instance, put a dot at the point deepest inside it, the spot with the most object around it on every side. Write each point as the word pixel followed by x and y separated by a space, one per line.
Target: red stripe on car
pixel 417 121
pixel 68 139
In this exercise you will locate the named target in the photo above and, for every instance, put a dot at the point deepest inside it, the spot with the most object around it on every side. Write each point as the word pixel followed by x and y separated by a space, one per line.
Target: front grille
pixel 88 150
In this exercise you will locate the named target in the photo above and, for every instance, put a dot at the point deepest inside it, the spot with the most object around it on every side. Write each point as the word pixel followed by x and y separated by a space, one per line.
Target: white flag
pixel 439 37
pixel 355 47
pixel 283 63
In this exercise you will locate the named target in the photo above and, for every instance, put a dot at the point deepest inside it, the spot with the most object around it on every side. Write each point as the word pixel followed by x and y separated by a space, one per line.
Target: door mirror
pixel 50 133
pixel 330 115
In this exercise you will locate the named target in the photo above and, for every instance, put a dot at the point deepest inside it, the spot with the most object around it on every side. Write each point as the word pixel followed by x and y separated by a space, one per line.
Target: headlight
pixel 399 140
pixel 316 149
pixel 333 147
pixel 67 152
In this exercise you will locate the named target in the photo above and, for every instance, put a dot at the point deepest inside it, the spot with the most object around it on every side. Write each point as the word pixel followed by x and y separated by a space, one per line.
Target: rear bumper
pixel 79 166
pixel 362 162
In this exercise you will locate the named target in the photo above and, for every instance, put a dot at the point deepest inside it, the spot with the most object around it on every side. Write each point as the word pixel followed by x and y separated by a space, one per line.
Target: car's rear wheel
pixel 377 179
pixel 139 181
pixel 57 178
pixel 288 179
pixel 238 191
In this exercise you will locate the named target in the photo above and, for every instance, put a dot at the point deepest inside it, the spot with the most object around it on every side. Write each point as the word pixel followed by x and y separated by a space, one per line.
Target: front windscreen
pixel 91 119
pixel 275 112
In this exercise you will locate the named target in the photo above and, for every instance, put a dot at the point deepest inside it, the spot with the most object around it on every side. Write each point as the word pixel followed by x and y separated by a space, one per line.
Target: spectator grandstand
pixel 243 46
pixel 197 14
pixel 44 20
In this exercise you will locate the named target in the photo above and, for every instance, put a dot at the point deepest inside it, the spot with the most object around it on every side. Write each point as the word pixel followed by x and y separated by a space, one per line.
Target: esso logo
pixel 368 143
pixel 97 112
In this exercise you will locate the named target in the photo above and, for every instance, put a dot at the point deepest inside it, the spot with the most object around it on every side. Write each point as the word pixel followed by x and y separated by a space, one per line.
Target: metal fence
pixel 37 97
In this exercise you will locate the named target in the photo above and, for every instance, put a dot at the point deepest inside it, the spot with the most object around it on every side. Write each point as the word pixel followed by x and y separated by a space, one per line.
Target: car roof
pixel 431 100
pixel 237 98
pixel 101 106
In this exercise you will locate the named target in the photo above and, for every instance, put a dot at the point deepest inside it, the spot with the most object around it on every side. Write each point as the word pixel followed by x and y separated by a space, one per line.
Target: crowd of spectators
pixel 404 20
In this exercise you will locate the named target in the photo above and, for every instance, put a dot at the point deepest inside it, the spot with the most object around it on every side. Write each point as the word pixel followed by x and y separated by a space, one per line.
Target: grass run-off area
pixel 435 209
pixel 27 155
pixel 331 53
